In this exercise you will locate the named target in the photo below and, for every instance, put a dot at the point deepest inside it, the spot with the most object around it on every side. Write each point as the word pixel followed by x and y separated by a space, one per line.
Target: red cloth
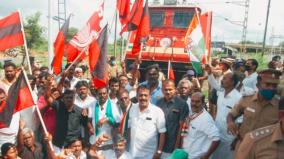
pixel 59 46
pixel 10 32
pixel 49 119
pixel 19 98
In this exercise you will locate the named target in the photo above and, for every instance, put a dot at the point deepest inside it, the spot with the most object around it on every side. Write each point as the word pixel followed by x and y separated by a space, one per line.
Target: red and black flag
pixel 59 46
pixel 133 19
pixel 98 59
pixel 11 34
pixel 19 98
pixel 123 8
pixel 143 30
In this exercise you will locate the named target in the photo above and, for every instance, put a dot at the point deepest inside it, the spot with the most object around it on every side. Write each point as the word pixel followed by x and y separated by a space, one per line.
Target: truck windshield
pixel 182 19
pixel 157 19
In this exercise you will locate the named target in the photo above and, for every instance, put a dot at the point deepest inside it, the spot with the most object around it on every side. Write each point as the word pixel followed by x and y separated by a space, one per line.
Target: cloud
pixel 222 29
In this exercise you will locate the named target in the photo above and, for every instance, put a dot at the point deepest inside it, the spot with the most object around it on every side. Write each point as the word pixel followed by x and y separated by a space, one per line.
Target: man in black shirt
pixel 175 110
pixel 69 120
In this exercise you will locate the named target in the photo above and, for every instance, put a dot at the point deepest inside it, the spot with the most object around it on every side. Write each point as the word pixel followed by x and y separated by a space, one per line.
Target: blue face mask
pixel 113 63
pixel 267 94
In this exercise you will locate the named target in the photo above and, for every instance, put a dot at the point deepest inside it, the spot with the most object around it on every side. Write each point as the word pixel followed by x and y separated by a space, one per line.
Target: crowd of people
pixel 242 115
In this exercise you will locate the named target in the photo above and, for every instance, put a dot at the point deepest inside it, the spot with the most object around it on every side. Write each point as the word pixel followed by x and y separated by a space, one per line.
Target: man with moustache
pixel 147 127
pixel 265 142
pixel 69 120
pixel 10 76
pixel 82 97
pixel 200 136
pixel 228 97
pixel 259 109
pixel 153 83
pixel 175 110
pixel 102 120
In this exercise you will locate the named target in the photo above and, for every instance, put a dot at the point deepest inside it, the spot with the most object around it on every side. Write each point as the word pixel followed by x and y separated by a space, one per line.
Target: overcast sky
pixel 222 30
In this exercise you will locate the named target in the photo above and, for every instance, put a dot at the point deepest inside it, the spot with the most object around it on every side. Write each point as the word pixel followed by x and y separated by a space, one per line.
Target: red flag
pixel 123 7
pixel 171 74
pixel 11 32
pixel 84 37
pixel 98 60
pixel 19 98
pixel 143 30
pixel 59 46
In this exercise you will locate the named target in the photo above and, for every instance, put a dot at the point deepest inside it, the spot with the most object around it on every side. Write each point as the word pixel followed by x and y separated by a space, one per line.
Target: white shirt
pixel 224 106
pixel 189 105
pixel 250 81
pixel 145 127
pixel 105 128
pixel 202 132
pixel 125 155
pixel 10 133
pixel 87 102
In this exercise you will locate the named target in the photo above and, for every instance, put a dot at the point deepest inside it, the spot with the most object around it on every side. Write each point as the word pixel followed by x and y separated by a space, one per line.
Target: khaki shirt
pixel 280 88
pixel 263 143
pixel 256 114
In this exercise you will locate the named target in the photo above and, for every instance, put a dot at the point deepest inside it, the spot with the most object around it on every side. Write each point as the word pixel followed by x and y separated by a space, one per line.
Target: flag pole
pixel 36 107
pixel 127 43
pixel 25 44
pixel 50 47
pixel 76 59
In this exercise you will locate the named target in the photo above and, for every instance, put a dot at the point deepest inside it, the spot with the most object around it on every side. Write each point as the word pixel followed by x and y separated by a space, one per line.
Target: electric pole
pixel 245 26
pixel 265 29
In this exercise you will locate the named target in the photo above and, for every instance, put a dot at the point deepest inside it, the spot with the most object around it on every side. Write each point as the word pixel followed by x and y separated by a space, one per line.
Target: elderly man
pixel 153 83
pixel 27 146
pixel 185 91
pixel 200 135
pixel 147 127
pixel 258 110
pixel 175 110
pixel 228 97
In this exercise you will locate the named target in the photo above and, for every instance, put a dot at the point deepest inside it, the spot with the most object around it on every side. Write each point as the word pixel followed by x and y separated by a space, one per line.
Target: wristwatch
pixel 159 152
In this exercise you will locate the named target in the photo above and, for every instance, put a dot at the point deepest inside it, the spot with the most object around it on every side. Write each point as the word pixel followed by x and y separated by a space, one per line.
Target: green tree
pixel 71 32
pixel 34 33
pixel 281 44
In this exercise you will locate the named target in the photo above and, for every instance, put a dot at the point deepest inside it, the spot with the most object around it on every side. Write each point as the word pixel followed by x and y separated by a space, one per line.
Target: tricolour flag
pixel 19 98
pixel 59 46
pixel 82 40
pixel 195 42
pixel 11 34
pixel 194 39
pixel 98 59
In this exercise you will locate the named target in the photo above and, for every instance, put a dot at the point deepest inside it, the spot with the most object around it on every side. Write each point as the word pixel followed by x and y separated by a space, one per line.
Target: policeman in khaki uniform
pixel 258 110
pixel 266 142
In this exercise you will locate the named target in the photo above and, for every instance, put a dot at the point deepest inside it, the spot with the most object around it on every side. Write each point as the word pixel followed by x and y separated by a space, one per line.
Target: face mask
pixel 113 63
pixel 267 94
pixel 247 67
